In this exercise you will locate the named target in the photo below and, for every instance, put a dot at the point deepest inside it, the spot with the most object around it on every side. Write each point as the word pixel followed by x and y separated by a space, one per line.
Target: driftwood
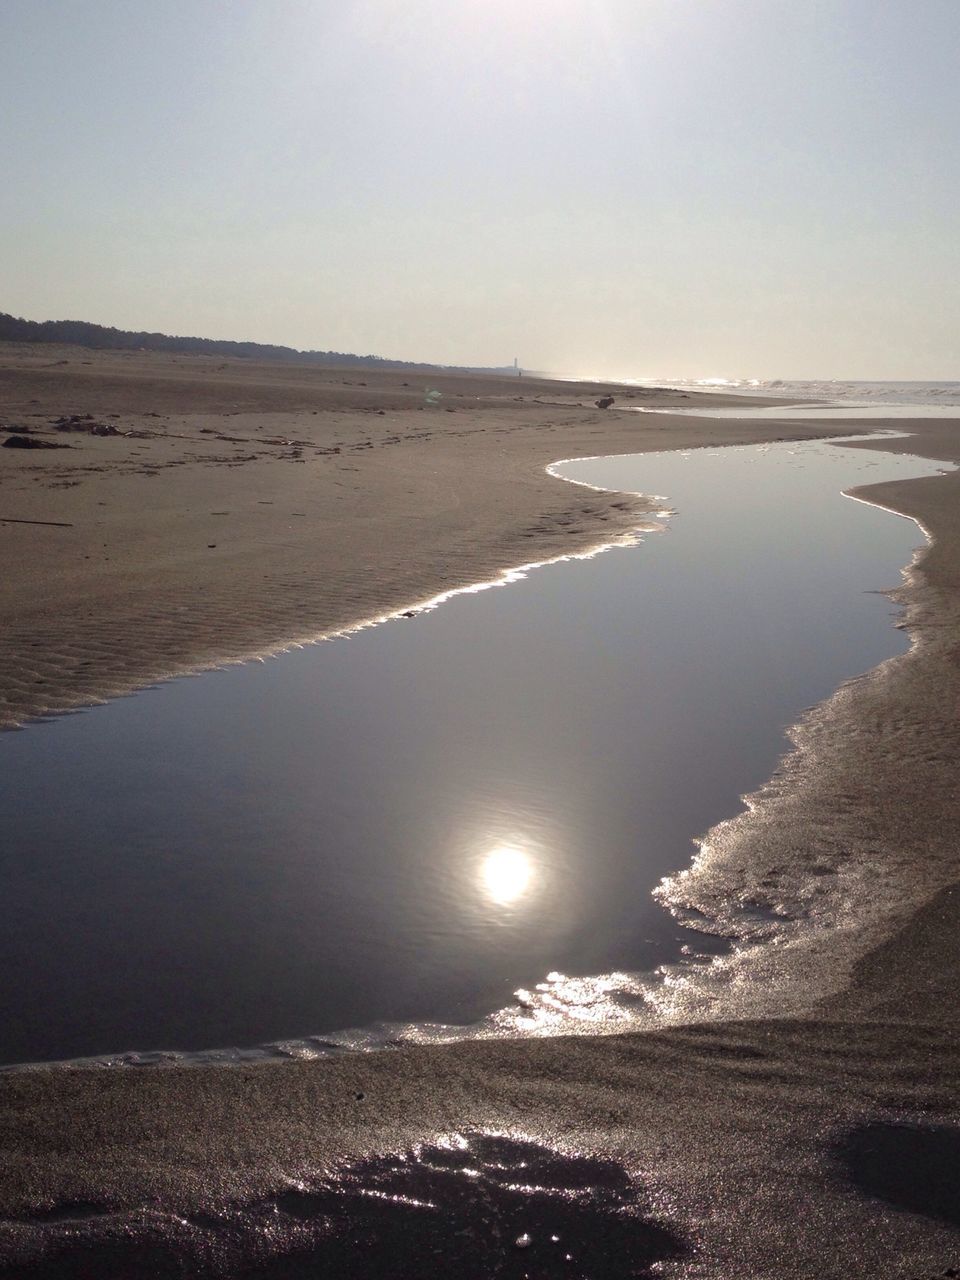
pixel 59 524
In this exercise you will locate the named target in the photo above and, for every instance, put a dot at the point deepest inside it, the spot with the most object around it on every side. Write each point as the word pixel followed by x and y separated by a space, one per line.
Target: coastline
pixel 202 540
pixel 732 1127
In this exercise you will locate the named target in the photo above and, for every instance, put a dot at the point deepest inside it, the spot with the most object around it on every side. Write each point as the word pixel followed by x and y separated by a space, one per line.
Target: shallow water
pixel 412 822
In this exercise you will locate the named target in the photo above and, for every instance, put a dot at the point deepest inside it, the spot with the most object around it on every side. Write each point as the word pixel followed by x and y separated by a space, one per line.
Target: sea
pixel 848 395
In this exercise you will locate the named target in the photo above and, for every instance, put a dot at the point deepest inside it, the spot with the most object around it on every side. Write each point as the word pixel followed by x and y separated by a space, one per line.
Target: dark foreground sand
pixel 809 1127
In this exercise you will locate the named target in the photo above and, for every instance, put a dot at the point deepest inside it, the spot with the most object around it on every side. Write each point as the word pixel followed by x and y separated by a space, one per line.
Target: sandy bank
pixel 247 507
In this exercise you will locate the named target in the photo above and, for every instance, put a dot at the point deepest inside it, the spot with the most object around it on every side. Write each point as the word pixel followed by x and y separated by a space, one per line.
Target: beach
pixel 254 507
pixel 795 1112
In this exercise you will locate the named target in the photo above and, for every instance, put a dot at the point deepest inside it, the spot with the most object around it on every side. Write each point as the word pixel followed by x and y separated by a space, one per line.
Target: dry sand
pixel 812 1132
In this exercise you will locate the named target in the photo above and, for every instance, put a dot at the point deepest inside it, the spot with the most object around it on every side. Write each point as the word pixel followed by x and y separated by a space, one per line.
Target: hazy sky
pixel 766 188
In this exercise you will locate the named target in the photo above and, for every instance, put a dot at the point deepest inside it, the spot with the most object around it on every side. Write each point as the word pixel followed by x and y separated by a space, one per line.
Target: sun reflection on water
pixel 506 873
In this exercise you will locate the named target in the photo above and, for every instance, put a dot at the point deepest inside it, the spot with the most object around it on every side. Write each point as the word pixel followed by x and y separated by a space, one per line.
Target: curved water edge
pixel 772 926
pixel 645 520
pixel 802 893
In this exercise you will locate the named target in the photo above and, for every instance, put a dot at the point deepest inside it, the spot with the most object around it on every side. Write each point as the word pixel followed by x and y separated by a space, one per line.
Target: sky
pixel 638 188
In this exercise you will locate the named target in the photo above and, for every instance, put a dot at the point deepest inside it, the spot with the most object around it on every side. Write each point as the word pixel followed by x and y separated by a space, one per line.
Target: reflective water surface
pixel 814 413
pixel 413 822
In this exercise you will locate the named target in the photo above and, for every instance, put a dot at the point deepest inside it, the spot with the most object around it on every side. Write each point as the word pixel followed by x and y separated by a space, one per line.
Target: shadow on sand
pixel 909 1166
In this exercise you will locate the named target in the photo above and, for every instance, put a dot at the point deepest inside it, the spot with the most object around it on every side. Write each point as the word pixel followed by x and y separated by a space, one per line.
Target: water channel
pixel 410 823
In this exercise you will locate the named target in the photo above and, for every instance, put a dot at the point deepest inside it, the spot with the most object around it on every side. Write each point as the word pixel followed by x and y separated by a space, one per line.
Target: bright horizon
pixel 665 188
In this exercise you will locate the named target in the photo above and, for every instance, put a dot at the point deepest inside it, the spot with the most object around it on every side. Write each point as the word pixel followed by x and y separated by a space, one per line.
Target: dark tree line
pixel 98 337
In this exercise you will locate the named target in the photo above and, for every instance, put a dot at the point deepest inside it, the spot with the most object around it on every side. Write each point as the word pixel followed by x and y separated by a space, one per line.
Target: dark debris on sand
pixel 87 423
pixel 31 442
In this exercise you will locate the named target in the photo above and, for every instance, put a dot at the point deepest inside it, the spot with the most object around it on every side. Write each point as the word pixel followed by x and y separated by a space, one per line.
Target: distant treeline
pixel 97 336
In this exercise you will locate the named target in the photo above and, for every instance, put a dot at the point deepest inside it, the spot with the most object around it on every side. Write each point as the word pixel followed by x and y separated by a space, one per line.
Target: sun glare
pixel 506 873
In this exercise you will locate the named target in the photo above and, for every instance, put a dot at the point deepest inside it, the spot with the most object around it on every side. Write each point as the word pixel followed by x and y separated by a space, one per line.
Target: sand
pixel 810 1127
pixel 250 507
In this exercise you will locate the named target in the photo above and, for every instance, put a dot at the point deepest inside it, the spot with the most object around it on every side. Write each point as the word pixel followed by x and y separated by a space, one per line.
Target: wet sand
pixel 808 1127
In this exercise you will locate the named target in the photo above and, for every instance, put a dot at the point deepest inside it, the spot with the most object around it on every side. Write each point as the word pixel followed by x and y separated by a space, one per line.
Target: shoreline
pixel 731 1128
pixel 199 541
pixel 688 1004
pixel 862 797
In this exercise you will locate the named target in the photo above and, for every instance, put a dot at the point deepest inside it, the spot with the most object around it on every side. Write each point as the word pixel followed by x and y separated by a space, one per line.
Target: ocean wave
pixel 843 392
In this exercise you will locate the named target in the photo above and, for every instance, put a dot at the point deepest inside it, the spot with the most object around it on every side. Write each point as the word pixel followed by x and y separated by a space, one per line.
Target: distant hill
pixel 98 337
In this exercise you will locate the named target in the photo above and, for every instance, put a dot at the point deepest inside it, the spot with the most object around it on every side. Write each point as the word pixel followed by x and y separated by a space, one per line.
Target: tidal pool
pixel 411 822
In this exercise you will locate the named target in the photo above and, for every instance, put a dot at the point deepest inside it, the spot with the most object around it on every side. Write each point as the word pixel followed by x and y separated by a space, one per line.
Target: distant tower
pixel 516 367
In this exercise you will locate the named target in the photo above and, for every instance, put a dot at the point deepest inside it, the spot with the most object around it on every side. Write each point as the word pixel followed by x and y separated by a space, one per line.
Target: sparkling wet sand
pixel 805 1128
